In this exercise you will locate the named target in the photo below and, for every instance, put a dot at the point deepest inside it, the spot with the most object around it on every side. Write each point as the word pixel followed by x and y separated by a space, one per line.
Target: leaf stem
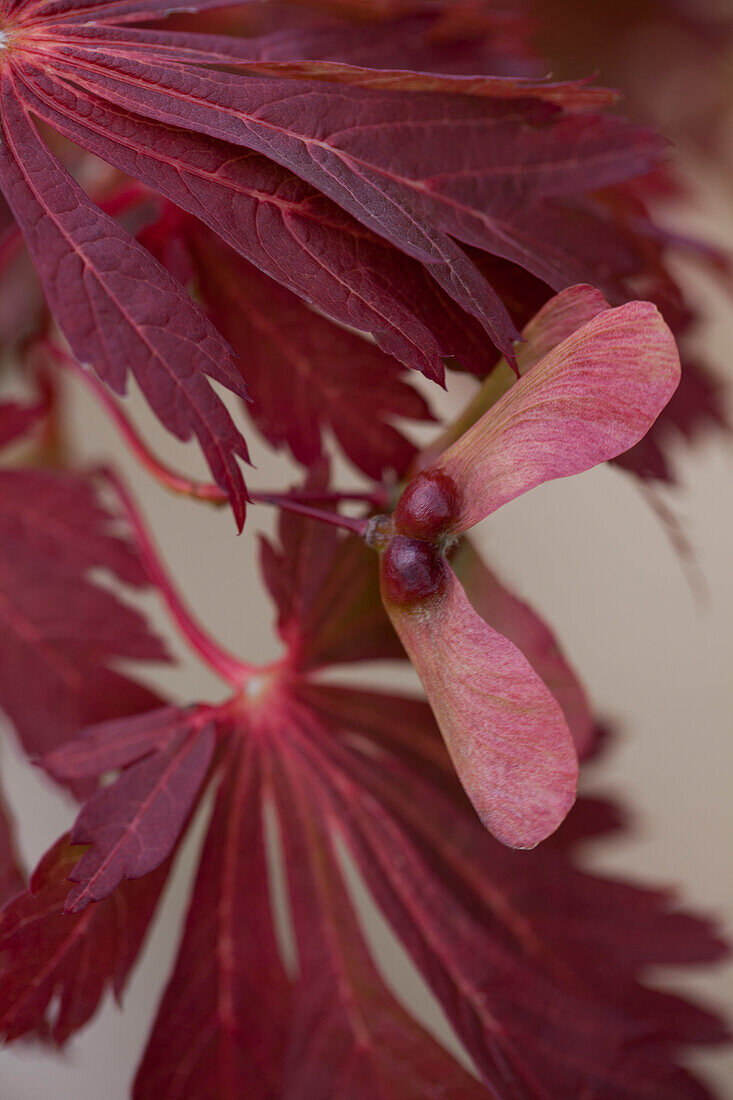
pixel 288 504
pixel 231 668
pixel 134 441
pixel 208 491
pixel 377 497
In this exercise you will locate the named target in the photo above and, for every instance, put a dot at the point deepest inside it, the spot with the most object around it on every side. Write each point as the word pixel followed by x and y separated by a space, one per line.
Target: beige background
pixel 592 557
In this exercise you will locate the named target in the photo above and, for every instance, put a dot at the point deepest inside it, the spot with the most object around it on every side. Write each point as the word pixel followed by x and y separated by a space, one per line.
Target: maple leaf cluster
pixel 302 203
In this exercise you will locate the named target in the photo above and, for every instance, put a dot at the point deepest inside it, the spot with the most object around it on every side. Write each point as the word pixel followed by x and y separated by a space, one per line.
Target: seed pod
pixel 427 506
pixel 412 570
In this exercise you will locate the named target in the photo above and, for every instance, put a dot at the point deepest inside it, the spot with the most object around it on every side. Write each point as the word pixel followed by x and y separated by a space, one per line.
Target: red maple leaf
pixel 150 103
pixel 290 180
pixel 238 997
pixel 306 375
pixel 535 963
pixel 134 823
pixel 55 968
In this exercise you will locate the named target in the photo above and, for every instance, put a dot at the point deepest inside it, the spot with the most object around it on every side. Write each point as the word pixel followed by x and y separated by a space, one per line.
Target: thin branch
pixel 162 473
pixel 231 668
pixel 207 491
pixel 377 497
pixel 287 504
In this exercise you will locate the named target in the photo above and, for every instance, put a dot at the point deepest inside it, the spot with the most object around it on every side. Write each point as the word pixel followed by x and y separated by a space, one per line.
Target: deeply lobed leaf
pixel 229 992
pixel 349 1037
pixel 305 375
pixel 535 963
pixel 279 223
pixel 488 959
pixel 499 935
pixel 60 632
pixel 133 824
pixel 55 968
pixel 115 304
pixel 365 148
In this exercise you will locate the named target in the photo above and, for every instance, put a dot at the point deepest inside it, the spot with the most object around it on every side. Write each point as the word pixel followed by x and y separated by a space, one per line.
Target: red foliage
pixel 134 824
pixel 47 954
pixel 61 633
pixel 306 375
pixel 499 936
pixel 391 168
pixel 300 203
